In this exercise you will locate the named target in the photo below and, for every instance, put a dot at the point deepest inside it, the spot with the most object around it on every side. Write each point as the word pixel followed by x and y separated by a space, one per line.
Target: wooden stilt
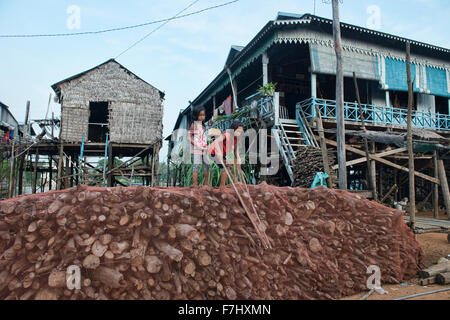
pixel 381 175
pixel 71 172
pixel 21 162
pixel 396 183
pixel 370 173
pixel 444 186
pixel 36 160
pixel 53 125
pixel 156 165
pixel 373 170
pixel 42 183
pixel 60 164
pixel 153 168
pixel 339 97
pixel 412 193
pixel 110 165
pixel 66 172
pixel 1 176
pixel 435 186
pixel 77 176
pixel 11 171
pixel 168 171
pixel 324 149
pixel 50 169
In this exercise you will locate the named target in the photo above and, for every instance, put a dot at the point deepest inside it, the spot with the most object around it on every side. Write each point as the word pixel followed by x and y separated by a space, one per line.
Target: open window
pixel 442 105
pixel 98 121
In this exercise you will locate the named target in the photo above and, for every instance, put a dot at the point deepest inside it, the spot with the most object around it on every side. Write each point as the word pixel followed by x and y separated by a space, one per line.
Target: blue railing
pixel 375 114
pixel 263 104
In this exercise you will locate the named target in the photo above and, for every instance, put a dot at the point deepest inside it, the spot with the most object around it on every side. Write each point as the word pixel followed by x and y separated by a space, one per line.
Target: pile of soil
pixel 198 243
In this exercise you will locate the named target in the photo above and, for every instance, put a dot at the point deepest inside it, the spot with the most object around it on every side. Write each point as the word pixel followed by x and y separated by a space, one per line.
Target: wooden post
pixel 11 171
pixel 27 116
pixel 60 164
pixel 147 164
pixel 67 172
pixel 53 125
pixel 110 165
pixel 153 168
pixel 371 176
pixel 412 194
pixel 435 186
pixel 168 171
pixel 339 97
pixel 381 175
pixel 21 161
pixel 444 186
pixel 313 85
pixel 36 160
pixel 323 147
pixel 50 168
pixel 373 169
pixel 77 165
pixel 265 69
pixel 235 95
pixel 71 172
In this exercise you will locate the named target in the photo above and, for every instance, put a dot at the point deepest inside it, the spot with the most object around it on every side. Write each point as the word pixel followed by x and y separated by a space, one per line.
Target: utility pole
pixel 412 194
pixel 339 97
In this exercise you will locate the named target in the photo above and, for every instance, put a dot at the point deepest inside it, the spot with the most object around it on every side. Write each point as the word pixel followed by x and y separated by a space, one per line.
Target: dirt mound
pixel 148 243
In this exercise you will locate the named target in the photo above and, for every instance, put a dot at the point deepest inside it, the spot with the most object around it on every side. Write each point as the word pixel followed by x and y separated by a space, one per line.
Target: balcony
pixel 375 114
pixel 268 108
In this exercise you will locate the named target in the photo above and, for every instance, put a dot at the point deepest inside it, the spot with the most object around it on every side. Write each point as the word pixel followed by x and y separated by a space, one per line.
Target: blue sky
pixel 182 57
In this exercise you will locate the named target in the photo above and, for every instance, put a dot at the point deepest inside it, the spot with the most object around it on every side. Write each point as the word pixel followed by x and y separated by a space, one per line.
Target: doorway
pixel 98 121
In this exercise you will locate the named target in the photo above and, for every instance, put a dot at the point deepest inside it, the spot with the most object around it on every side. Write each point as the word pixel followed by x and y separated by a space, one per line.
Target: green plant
pixel 268 89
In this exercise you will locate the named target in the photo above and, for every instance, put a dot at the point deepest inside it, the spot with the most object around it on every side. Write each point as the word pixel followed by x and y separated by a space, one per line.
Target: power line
pixel 157 28
pixel 114 29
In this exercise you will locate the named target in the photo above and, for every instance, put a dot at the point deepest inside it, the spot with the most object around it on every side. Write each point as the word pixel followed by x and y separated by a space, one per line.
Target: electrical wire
pixel 156 29
pixel 114 29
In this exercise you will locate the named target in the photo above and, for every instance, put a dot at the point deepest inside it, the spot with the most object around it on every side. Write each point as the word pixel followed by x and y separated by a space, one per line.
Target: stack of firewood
pixel 307 163
pixel 147 243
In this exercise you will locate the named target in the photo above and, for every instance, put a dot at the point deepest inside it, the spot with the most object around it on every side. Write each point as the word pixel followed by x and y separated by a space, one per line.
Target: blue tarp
pixel 396 75
pixel 437 82
pixel 428 80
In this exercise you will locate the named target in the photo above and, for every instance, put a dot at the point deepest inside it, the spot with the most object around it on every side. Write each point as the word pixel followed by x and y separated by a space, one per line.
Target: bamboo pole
pixel 50 164
pixel 21 161
pixel 60 164
pixel 393 189
pixel 53 125
pixel 370 173
pixel 323 146
pixel 385 162
pixel 444 185
pixel 36 160
pixel 11 171
pixel 66 172
pixel 153 168
pixel 412 195
pixel 435 186
pixel 110 165
pixel 339 97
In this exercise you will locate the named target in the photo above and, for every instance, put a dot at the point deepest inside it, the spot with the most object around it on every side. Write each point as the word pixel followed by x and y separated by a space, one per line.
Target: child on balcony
pixel 199 144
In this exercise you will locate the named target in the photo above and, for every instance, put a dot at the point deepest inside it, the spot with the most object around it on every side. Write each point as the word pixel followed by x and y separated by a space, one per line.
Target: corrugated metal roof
pixel 5 108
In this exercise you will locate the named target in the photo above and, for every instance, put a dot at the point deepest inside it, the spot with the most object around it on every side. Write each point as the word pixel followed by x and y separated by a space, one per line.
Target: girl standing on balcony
pixel 199 144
